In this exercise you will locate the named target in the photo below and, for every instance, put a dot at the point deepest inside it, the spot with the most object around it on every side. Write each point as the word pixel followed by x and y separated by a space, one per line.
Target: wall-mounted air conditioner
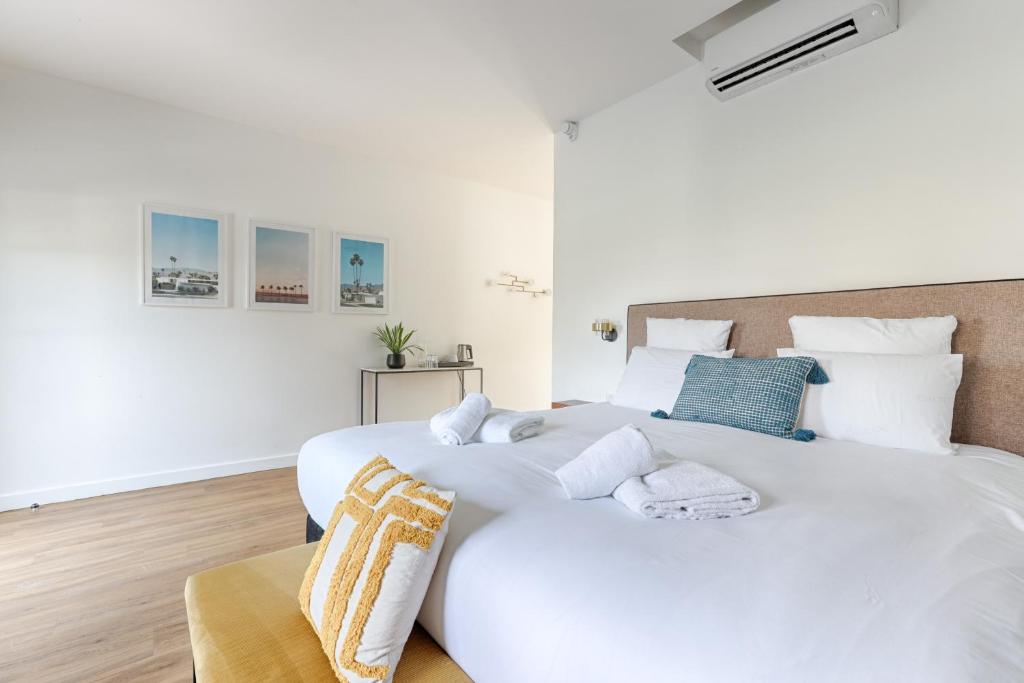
pixel 790 35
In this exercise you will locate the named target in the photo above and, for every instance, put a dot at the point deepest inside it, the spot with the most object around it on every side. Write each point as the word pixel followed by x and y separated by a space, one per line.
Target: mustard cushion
pixel 371 570
pixel 246 625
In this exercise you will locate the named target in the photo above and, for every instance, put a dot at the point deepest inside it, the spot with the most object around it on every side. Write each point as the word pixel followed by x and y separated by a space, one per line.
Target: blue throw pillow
pixel 756 394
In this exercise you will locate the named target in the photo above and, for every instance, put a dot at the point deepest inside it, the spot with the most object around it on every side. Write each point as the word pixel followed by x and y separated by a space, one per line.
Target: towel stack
pixel 623 464
pixel 474 421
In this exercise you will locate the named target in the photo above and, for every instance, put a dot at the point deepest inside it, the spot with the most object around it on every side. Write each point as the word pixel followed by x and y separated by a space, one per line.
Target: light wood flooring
pixel 92 590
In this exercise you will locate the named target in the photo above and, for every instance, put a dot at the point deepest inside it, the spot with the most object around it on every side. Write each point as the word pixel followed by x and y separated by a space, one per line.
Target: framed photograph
pixel 361 274
pixel 282 267
pixel 184 257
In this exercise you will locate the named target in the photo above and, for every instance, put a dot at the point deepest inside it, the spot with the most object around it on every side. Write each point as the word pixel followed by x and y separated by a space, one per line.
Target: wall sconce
pixel 516 285
pixel 606 329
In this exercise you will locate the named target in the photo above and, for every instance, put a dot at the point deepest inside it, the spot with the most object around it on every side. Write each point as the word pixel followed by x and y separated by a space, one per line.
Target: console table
pixel 377 372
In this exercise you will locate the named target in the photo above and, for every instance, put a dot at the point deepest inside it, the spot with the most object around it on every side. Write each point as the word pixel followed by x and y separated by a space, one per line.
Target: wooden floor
pixel 91 590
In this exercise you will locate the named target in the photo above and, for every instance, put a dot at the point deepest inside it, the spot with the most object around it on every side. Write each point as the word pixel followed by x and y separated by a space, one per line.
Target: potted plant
pixel 396 341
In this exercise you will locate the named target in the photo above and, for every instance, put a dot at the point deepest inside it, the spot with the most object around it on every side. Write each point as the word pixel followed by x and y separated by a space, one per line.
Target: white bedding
pixel 862 564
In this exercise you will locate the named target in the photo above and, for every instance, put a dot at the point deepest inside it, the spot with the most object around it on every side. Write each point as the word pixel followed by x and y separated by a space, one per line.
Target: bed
pixel 863 563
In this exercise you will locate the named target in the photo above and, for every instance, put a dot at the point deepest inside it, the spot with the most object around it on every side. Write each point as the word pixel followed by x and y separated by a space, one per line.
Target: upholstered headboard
pixel 990 335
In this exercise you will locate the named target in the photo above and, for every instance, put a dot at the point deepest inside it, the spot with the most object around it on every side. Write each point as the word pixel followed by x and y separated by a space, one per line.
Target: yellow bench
pixel 245 624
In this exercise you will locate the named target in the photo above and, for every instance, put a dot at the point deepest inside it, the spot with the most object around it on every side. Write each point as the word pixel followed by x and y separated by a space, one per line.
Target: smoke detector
pixel 571 130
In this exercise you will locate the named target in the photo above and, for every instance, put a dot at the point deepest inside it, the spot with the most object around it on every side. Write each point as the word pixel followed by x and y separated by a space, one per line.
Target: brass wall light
pixel 605 328
pixel 513 284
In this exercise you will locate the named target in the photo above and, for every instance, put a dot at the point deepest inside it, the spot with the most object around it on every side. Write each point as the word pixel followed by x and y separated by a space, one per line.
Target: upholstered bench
pixel 245 624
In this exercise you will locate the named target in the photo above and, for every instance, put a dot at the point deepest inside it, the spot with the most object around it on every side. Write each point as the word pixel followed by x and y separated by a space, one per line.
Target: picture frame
pixel 194 244
pixel 361 279
pixel 281 272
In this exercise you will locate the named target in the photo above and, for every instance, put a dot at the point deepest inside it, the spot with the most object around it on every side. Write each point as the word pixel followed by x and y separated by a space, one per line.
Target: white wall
pixel 99 393
pixel 901 162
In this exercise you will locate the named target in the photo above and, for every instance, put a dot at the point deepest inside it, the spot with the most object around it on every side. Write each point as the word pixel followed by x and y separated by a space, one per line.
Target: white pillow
pixel 653 377
pixel 683 334
pixel 898 401
pixel 873 335
pixel 368 576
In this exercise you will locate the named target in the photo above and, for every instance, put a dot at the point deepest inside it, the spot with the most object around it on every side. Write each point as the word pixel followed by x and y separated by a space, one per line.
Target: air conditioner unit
pixel 791 35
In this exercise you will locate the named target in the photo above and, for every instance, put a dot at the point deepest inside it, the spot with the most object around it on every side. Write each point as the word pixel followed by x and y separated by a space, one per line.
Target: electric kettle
pixel 464 353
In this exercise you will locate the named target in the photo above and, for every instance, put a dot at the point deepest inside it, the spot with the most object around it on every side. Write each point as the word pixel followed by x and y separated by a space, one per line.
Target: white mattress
pixel 863 563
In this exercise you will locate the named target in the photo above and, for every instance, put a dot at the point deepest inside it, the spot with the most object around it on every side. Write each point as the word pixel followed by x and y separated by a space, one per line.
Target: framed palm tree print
pixel 361 281
pixel 184 257
pixel 282 267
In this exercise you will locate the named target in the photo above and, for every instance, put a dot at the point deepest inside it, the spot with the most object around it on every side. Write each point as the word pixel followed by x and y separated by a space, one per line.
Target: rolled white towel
pixel 605 464
pixel 458 427
pixel 687 490
pixel 440 422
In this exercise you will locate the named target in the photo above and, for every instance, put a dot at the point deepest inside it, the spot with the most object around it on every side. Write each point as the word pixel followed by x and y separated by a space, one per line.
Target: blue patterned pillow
pixel 757 394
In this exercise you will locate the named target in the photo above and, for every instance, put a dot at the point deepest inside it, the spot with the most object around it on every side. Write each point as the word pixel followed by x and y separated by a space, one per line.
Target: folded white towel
pixel 459 426
pixel 615 457
pixel 499 426
pixel 687 490
pixel 508 426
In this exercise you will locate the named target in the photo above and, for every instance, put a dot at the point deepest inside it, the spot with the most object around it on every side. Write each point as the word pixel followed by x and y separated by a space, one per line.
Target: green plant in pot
pixel 396 340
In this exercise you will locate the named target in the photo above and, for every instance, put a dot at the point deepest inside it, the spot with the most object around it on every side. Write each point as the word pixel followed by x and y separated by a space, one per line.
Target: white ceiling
pixel 470 88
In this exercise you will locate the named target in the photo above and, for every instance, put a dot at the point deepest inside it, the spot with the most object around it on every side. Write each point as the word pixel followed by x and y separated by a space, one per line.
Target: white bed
pixel 863 563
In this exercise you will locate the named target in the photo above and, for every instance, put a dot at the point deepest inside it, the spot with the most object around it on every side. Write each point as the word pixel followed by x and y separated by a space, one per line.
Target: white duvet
pixel 862 564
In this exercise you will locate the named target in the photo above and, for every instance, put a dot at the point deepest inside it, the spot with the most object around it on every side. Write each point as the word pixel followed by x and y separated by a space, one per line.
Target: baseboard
pixel 24 499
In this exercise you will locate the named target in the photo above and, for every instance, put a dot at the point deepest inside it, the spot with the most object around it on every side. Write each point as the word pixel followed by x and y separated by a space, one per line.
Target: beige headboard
pixel 990 402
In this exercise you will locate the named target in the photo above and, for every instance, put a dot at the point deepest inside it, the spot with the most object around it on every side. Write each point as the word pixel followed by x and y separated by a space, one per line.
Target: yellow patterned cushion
pixel 367 579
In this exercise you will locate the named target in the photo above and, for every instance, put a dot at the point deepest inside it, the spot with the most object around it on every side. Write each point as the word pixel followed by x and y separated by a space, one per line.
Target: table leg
pixel 362 382
pixel 376 393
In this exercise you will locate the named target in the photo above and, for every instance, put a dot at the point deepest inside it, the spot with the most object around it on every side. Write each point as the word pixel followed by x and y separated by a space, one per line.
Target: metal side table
pixel 377 372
